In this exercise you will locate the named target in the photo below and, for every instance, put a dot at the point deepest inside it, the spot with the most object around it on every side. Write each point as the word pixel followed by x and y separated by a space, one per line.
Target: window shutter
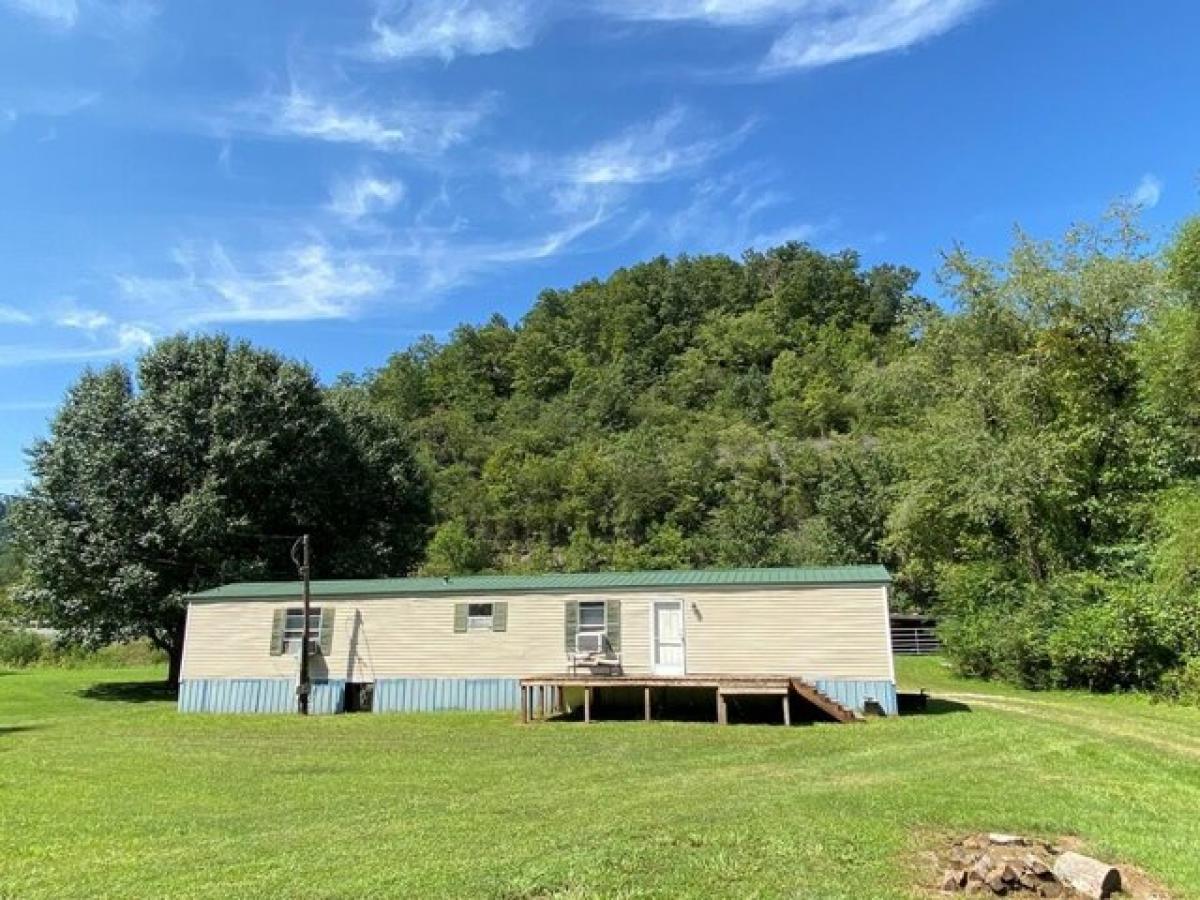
pixel 460 617
pixel 613 611
pixel 326 639
pixel 571 623
pixel 277 632
pixel 500 616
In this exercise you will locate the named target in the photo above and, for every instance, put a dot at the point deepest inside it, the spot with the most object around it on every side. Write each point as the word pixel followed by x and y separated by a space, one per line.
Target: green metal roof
pixel 580 581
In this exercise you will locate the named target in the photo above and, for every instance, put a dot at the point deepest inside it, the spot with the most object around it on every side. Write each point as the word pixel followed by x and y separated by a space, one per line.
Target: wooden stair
pixel 824 702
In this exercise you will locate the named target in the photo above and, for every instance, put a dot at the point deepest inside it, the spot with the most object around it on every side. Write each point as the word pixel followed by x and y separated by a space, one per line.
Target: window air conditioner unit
pixel 590 642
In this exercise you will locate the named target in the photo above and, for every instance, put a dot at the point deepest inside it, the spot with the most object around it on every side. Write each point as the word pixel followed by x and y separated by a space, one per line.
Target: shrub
pixel 1182 684
pixel 991 625
pixel 1077 630
pixel 20 648
pixel 1116 643
pixel 110 656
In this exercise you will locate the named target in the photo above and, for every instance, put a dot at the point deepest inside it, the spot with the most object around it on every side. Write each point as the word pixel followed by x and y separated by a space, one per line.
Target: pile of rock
pixel 1003 864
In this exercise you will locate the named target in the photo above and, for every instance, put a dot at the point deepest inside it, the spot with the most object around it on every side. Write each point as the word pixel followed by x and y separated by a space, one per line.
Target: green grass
pixel 107 792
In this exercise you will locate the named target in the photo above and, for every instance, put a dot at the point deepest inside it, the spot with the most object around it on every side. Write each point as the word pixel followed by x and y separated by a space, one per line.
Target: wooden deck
pixel 543 696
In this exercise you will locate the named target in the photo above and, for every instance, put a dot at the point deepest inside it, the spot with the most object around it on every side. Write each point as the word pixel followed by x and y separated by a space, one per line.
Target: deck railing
pixel 916 641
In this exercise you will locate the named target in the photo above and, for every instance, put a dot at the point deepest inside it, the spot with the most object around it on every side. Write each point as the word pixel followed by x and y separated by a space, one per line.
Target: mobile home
pixel 491 641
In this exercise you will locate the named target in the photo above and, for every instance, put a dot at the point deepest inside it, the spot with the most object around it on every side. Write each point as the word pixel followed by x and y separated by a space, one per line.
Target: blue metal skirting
pixel 429 694
pixel 327 698
pixel 257 695
pixel 854 694
pixel 278 695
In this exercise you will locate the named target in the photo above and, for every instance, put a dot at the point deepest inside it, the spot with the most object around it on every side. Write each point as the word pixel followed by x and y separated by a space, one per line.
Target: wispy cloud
pixel 126 15
pixel 412 127
pixel 838 31
pixel 807 33
pixel 713 12
pixel 90 320
pixel 815 32
pixel 608 174
pixel 366 194
pixel 671 145
pixel 541 246
pixel 44 102
pixel 726 215
pixel 663 148
pixel 431 261
pixel 1148 191
pixel 305 282
pixel 124 340
pixel 10 315
pixel 108 16
pixel 444 29
pixel 225 158
pixel 57 13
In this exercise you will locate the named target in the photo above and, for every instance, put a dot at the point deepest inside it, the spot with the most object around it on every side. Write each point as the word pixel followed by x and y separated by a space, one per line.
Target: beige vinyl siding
pixel 233 640
pixel 382 637
pixel 415 636
pixel 813 632
pixel 818 632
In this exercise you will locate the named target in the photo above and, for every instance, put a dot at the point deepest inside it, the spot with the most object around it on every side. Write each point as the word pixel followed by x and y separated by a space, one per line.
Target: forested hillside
pixel 1023 458
pixel 698 412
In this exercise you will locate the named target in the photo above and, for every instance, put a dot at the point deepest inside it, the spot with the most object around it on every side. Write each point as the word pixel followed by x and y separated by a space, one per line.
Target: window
pixel 293 629
pixel 480 616
pixel 592 617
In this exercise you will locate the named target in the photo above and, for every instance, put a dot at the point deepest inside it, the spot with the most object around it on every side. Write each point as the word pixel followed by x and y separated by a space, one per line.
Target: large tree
pixel 197 471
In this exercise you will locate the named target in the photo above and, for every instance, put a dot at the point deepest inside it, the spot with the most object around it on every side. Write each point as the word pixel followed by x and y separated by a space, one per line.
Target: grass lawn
pixel 106 792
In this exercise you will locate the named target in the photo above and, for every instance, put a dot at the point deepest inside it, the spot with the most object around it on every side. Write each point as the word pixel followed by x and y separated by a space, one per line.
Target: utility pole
pixel 304 564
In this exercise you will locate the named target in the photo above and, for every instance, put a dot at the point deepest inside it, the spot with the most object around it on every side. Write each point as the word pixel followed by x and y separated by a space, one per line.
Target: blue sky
pixel 334 179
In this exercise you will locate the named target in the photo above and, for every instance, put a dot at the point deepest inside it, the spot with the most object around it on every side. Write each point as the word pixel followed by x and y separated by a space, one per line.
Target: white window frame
pixel 293 636
pixel 481 622
pixel 592 629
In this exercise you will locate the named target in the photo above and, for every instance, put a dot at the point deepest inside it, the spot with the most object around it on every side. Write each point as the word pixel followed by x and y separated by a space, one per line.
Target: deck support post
pixel 647 701
pixel 587 705
pixel 722 709
pixel 524 705
pixel 787 711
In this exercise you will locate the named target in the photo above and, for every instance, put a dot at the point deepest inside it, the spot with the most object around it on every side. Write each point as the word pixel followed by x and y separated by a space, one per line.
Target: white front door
pixel 667 623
